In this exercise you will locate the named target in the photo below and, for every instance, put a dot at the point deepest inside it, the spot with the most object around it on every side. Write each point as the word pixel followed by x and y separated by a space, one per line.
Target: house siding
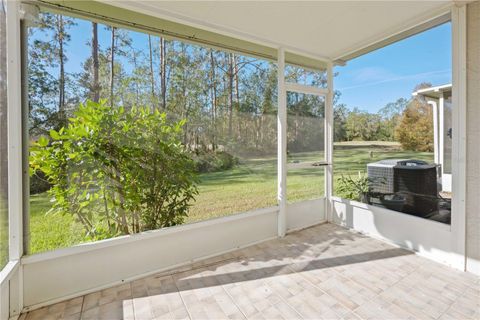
pixel 473 136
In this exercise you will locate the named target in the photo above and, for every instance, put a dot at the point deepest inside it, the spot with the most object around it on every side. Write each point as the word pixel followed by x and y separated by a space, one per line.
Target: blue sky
pixel 368 82
pixel 78 49
pixel 371 81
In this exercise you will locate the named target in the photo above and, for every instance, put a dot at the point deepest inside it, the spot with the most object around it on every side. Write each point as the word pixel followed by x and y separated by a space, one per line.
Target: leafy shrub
pixel 358 188
pixel 353 188
pixel 127 168
pixel 211 161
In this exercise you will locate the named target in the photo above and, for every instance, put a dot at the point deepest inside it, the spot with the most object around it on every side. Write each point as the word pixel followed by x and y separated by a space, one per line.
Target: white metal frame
pixel 14 270
pixel 302 215
pixel 282 145
pixel 259 225
pixel 459 147
pixel 12 273
pixel 436 138
pixel 14 99
pixel 443 243
pixel 327 94
pixel 329 142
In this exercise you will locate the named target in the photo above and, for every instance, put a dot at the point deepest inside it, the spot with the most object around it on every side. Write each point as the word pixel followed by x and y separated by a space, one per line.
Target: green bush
pixel 209 161
pixel 353 188
pixel 128 167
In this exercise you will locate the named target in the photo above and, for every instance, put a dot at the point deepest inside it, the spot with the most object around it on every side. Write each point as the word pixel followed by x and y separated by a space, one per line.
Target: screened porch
pixel 195 160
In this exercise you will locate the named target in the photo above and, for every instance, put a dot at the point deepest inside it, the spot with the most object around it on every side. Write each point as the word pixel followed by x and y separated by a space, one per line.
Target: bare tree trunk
pixel 112 65
pixel 237 85
pixel 186 111
pixel 137 89
pixel 213 80
pixel 184 95
pixel 237 93
pixel 61 59
pixel 163 77
pixel 152 79
pixel 230 93
pixel 95 64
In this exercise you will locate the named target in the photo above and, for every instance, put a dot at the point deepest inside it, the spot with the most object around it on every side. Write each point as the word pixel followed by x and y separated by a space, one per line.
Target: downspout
pixel 436 140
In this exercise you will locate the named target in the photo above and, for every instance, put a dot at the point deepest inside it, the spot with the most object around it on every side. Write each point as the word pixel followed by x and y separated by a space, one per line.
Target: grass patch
pixel 250 185
pixel 51 231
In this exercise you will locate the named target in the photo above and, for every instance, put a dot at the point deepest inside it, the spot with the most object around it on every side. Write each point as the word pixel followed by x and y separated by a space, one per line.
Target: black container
pixel 417 182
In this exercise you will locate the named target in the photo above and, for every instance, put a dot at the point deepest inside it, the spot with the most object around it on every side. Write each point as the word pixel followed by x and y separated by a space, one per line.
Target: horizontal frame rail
pixel 301 88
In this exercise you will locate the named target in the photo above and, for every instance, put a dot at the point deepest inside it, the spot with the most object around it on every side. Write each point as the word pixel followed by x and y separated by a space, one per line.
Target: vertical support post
pixel 15 194
pixel 282 145
pixel 459 147
pixel 329 144
pixel 25 140
pixel 14 100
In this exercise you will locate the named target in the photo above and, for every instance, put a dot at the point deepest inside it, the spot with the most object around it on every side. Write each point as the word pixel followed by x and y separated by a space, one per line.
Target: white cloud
pixel 373 77
pixel 371 74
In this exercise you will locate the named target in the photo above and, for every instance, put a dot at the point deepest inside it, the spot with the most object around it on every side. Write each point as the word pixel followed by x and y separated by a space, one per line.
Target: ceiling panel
pixel 328 29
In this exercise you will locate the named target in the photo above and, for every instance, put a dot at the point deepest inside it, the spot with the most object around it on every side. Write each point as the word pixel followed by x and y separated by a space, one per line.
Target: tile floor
pixel 324 272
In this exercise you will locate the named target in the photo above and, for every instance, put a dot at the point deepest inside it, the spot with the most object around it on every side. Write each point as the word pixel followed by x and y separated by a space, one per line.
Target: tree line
pixel 228 100
pixel 409 122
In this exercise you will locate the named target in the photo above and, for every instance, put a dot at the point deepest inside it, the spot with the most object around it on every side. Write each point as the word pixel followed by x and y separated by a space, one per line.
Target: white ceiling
pixel 325 29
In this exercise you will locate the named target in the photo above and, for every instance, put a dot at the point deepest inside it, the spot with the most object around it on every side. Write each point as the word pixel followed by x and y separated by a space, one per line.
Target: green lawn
pixel 3 232
pixel 252 184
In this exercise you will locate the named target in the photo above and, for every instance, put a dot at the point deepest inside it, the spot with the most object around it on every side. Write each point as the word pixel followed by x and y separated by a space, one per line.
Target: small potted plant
pixel 355 188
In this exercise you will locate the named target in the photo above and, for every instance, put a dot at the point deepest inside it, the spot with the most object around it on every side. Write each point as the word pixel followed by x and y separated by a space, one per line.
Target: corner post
pixel 282 145
pixel 329 144
pixel 14 102
pixel 459 135
pixel 15 169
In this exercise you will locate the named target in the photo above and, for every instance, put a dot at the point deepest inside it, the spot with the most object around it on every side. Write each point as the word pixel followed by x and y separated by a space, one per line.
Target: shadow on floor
pixel 213 275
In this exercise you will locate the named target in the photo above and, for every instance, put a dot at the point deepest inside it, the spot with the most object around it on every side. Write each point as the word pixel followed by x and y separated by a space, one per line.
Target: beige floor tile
pixel 324 272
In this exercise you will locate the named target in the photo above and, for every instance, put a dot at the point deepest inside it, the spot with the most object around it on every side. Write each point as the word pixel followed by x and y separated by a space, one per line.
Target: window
pixel 132 132
pixel 305 146
pixel 3 141
pixel 392 106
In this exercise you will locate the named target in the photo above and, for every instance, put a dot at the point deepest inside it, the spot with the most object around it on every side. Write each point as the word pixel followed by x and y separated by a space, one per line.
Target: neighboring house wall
pixel 473 136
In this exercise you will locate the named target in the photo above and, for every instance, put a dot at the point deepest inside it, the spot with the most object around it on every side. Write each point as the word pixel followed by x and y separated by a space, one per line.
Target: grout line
pixel 314 285
pixel 314 252
pixel 451 305
pixel 283 299
pixel 286 302
pixel 233 300
pixel 81 309
pixel 325 292
pixel 181 298
pixel 263 282
pixel 170 310
pixel 340 274
pixel 133 304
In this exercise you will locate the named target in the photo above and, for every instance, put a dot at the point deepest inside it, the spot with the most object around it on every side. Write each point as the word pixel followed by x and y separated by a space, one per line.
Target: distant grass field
pixel 250 185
